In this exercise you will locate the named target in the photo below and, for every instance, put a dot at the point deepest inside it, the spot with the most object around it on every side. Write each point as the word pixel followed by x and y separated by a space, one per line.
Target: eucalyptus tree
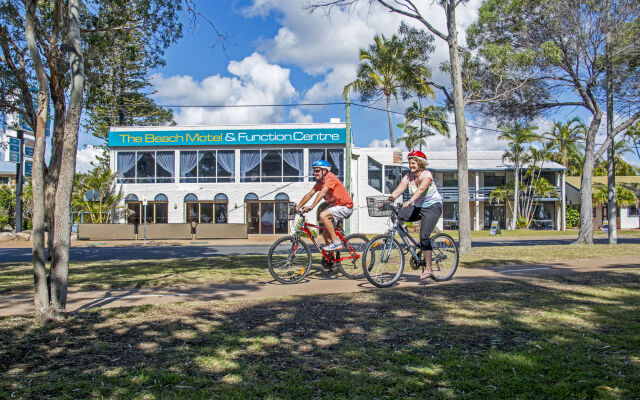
pixel 44 44
pixel 389 69
pixel 417 10
pixel 517 137
pixel 554 54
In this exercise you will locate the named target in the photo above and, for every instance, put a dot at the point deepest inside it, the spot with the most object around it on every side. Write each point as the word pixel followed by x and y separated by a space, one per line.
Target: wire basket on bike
pixel 291 211
pixel 379 206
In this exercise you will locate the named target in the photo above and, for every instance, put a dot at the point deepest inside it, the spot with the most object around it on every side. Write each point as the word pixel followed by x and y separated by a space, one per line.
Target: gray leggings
pixel 428 216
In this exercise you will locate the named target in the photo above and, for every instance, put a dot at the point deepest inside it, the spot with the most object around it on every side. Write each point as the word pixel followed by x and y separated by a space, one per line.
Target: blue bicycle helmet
pixel 321 164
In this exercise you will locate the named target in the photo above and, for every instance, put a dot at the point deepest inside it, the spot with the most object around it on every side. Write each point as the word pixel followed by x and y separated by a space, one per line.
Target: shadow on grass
pixel 569 336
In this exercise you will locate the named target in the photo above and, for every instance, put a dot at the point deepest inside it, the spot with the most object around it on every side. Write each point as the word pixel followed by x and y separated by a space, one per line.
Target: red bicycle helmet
pixel 417 154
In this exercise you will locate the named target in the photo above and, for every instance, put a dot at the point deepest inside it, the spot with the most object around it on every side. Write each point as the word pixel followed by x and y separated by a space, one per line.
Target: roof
pixel 630 182
pixel 602 180
pixel 478 161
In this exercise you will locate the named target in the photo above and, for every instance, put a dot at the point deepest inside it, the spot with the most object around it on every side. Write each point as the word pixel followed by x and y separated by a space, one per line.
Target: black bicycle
pixel 383 258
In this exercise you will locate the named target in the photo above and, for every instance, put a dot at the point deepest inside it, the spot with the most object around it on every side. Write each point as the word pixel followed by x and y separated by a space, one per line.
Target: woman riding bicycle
pixel 425 203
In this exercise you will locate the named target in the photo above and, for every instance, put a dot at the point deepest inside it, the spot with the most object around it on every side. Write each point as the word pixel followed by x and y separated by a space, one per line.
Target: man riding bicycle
pixel 328 187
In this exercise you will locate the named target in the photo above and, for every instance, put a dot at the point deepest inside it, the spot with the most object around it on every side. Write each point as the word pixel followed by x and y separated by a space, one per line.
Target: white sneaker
pixel 333 246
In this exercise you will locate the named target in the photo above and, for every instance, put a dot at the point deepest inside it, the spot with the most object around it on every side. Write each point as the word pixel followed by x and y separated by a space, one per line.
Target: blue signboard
pixel 28 148
pixel 14 150
pixel 28 165
pixel 227 137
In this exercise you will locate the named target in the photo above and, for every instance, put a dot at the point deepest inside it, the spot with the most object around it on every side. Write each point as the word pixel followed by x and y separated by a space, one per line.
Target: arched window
pixel 132 209
pixel 221 207
pixel 191 197
pixel 161 197
pixel 157 211
pixel 282 197
pixel 221 197
pixel 251 197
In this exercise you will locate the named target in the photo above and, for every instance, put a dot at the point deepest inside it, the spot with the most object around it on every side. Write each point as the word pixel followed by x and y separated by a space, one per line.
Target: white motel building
pixel 247 174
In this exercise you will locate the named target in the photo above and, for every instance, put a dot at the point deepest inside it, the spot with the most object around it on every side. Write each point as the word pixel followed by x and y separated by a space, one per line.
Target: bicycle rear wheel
pixel 444 256
pixel 383 261
pixel 289 259
pixel 352 267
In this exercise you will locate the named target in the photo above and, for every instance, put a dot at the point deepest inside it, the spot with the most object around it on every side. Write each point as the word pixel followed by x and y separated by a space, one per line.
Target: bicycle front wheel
pixel 352 267
pixel 383 261
pixel 444 257
pixel 289 259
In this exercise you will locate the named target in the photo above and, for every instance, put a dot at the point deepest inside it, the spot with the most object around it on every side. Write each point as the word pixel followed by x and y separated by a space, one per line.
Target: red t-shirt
pixel 337 194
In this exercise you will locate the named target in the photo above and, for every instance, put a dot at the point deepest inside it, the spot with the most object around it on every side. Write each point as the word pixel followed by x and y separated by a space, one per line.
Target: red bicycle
pixel 290 257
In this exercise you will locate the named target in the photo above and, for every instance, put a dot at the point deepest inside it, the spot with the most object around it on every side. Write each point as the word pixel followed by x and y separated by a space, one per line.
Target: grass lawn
pixel 537 232
pixel 119 274
pixel 572 336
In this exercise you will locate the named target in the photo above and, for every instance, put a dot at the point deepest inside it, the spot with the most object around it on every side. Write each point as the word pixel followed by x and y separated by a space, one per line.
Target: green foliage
pixel 119 61
pixel 624 196
pixel 573 217
pixel 393 68
pixel 522 222
pixel 94 193
pixel 7 206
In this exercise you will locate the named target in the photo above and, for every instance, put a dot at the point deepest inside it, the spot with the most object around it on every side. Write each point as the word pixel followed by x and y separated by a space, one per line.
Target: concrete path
pixel 315 284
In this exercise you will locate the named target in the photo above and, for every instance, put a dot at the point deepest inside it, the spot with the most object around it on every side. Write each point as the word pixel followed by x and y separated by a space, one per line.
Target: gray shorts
pixel 339 213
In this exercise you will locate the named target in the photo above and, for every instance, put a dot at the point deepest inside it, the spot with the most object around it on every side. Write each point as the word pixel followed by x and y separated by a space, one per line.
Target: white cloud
pixel 298 116
pixel 254 81
pixel 328 46
pixel 85 156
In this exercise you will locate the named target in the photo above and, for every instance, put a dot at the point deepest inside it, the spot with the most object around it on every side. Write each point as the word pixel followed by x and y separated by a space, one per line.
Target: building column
pixel 476 225
pixel 563 188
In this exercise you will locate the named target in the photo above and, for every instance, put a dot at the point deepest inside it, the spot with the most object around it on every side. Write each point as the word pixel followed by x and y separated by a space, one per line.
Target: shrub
pixel 573 217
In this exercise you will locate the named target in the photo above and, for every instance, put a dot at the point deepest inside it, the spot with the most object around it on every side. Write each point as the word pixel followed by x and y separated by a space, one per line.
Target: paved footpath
pixel 316 283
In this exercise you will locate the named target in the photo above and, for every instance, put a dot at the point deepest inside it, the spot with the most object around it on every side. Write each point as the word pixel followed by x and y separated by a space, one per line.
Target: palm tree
pixel 432 120
pixel 502 193
pixel 412 137
pixel 517 136
pixel 624 196
pixel 388 69
pixel 622 168
pixel 564 141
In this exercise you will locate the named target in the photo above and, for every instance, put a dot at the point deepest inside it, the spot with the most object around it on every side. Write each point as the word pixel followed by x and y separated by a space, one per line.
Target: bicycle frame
pixel 398 227
pixel 305 228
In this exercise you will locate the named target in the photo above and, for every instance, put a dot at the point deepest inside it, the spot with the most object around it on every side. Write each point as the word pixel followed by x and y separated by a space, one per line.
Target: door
pixel 494 213
pixel 266 218
pixel 253 217
pixel 133 213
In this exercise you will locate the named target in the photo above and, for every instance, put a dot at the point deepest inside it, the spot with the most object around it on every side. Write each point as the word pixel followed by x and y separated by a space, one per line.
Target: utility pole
pixel 19 183
pixel 347 169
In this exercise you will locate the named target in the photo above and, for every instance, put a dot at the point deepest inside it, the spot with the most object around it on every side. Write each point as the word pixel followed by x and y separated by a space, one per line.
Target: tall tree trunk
pixel 391 137
pixel 53 171
pixel 585 234
pixel 62 231
pixel 41 293
pixel 516 194
pixel 464 212
pixel 611 159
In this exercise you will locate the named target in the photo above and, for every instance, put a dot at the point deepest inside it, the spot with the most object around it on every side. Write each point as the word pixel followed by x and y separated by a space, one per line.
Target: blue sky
pixel 278 53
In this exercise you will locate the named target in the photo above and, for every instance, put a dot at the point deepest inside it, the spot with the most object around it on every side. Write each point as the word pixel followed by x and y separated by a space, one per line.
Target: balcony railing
pixel 450 193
